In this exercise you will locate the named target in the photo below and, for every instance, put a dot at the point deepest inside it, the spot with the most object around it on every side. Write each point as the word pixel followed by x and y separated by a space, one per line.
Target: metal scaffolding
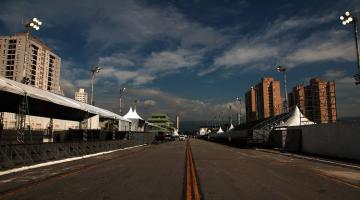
pixel 20 121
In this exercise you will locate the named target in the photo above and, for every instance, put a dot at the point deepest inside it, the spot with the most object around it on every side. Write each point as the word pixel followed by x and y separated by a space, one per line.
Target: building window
pixel 11 57
pixel 10 62
pixel 12 46
pixel 9 67
pixel 11 51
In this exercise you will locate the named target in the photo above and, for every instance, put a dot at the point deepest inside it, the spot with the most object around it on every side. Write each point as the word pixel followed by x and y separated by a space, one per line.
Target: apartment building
pixel 81 96
pixel 26 59
pixel 317 100
pixel 263 100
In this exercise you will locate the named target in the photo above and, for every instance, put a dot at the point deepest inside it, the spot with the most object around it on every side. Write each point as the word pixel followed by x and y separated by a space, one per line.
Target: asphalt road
pixel 157 172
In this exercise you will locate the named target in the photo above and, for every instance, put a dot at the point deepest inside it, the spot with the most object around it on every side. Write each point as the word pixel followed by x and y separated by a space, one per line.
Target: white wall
pixel 124 125
pixel 336 140
pixel 39 122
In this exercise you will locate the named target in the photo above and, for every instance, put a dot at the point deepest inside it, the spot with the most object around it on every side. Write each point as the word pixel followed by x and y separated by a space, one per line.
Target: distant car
pixel 169 137
pixel 182 137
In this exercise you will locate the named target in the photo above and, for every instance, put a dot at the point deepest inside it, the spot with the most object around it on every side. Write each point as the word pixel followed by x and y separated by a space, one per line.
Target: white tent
pixel 136 115
pixel 231 127
pixel 295 119
pixel 137 123
pixel 175 133
pixel 132 114
pixel 220 131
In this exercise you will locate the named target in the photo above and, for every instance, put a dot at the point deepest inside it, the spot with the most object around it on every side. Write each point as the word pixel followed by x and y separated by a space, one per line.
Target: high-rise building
pixel 250 101
pixel 263 100
pixel 81 96
pixel 317 101
pixel 25 58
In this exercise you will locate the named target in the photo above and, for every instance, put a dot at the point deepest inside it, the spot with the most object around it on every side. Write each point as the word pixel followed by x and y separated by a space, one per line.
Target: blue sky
pixel 192 57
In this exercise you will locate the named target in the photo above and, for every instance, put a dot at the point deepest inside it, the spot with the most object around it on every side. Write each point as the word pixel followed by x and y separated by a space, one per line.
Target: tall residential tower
pixel 81 96
pixel 317 101
pixel 263 100
pixel 24 57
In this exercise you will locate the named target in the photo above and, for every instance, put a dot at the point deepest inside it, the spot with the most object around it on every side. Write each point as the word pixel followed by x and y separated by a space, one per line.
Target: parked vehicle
pixel 169 137
pixel 182 137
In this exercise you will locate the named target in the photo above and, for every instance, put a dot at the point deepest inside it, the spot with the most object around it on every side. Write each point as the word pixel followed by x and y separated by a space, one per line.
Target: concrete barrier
pixel 335 140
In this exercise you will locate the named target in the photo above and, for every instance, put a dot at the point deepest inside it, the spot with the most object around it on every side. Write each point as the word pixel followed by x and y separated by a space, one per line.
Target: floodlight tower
pixel 122 90
pixel 283 70
pixel 35 24
pixel 238 99
pixel 349 18
pixel 93 72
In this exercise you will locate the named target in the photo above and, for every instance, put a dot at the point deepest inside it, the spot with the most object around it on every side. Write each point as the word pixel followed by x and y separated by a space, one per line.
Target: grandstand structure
pixel 27 101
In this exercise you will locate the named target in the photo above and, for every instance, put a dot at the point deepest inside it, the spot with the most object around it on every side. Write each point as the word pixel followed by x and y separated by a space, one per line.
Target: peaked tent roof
pixel 136 115
pixel 132 114
pixel 296 119
pixel 231 127
pixel 220 130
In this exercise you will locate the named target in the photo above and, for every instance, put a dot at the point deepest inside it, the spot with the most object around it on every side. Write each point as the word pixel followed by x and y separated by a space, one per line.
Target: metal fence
pixel 13 155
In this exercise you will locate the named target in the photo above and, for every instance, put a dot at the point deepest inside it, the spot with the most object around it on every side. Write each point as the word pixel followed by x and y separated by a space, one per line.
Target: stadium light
pixel 349 18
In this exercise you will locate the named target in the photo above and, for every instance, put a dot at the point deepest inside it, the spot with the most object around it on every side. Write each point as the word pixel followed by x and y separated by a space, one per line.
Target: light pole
pixel 239 113
pixel 230 116
pixel 349 18
pixel 34 23
pixel 283 70
pixel 93 72
pixel 121 92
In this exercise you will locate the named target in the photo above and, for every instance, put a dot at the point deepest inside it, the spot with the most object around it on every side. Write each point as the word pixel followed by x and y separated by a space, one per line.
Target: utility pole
pixel 121 93
pixel 93 72
pixel 283 70
pixel 238 99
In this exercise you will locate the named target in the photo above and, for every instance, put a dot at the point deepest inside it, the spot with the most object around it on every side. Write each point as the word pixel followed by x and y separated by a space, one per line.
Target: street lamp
pixel 121 92
pixel 34 23
pixel 93 72
pixel 283 70
pixel 349 18
pixel 239 113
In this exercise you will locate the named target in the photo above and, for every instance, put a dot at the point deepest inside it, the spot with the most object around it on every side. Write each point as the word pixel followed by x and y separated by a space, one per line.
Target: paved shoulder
pixel 230 173
pixel 153 173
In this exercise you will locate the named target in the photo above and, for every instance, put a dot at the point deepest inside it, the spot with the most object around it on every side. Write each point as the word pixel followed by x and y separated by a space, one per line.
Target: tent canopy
pixel 132 114
pixel 46 104
pixel 295 119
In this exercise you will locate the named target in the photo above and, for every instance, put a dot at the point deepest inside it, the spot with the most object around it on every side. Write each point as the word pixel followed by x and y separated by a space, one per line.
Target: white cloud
pixel 119 59
pixel 296 23
pixel 280 44
pixel 322 46
pixel 172 60
pixel 125 76
pixel 149 102
pixel 332 74
pixel 244 54
pixel 138 70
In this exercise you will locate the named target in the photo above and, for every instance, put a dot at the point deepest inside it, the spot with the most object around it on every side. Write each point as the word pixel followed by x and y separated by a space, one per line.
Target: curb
pixel 24 168
pixel 319 160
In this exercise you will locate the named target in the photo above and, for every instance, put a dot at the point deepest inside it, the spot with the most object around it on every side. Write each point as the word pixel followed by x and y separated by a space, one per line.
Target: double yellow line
pixel 192 182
